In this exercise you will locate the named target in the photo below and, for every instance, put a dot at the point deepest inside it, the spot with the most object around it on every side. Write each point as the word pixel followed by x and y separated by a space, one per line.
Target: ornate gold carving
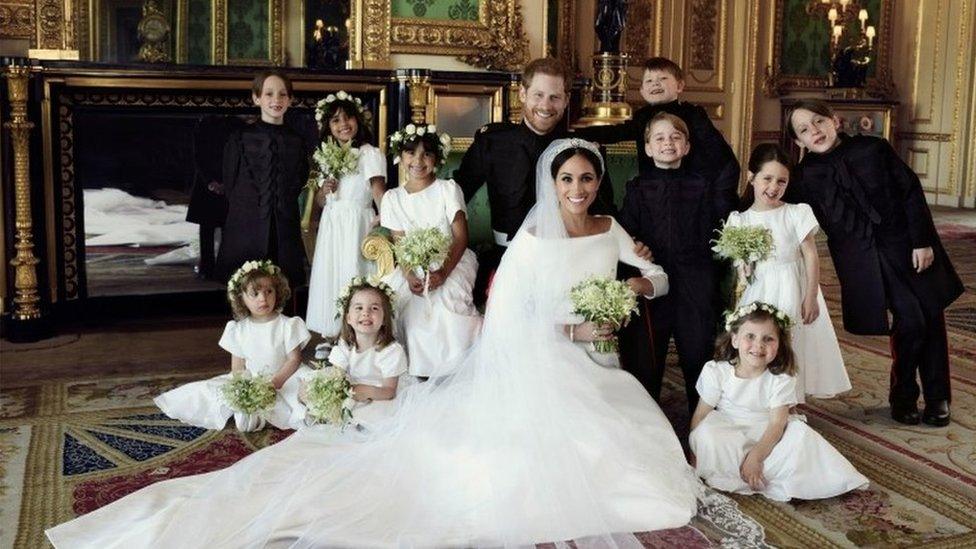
pixel 377 247
pixel 925 136
pixel 219 37
pixel 514 101
pixel 154 30
pixel 277 43
pixel 369 33
pixel 26 298
pixel 418 87
pixel 504 45
pixel 566 45
pixel 50 25
pixel 17 19
pixel 704 15
pixel 638 36
pixel 880 85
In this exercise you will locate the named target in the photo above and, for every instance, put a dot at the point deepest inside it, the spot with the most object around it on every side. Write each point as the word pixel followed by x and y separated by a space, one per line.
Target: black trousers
pixel 488 261
pixel 686 314
pixel 919 349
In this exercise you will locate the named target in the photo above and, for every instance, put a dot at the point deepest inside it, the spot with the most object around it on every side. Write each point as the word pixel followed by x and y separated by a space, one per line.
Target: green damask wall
pixel 436 9
pixel 199 16
pixel 247 29
pixel 805 38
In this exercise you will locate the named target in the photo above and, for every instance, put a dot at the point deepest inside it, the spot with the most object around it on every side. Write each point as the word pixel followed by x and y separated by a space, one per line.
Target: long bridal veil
pixel 516 443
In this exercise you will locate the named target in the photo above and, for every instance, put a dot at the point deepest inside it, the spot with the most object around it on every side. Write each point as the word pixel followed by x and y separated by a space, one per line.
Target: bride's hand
pixel 591 331
pixel 415 282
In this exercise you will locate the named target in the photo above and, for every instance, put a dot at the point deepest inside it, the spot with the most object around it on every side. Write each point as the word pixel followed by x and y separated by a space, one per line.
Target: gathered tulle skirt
pixel 821 370
pixel 564 450
pixel 338 258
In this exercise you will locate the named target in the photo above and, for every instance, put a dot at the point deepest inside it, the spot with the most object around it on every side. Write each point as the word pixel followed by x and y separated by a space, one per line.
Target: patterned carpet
pixel 69 447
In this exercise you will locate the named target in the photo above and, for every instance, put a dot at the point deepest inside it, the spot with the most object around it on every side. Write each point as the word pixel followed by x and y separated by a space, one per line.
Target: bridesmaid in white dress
pixel 526 441
pixel 790 279
pixel 263 342
pixel 743 437
pixel 441 323
pixel 347 214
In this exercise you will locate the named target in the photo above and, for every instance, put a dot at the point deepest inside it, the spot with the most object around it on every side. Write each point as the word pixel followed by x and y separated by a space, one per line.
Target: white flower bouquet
pixel 604 300
pixel 335 160
pixel 328 397
pixel 249 394
pixel 744 245
pixel 422 251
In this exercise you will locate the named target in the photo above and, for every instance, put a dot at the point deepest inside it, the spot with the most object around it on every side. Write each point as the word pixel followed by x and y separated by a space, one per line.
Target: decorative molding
pixel 276 41
pixel 17 19
pixel 880 85
pixel 921 169
pixel 961 52
pixel 566 18
pixel 369 33
pixel 218 55
pixel 501 43
pixel 705 45
pixel 925 136
pixel 639 34
pixel 180 29
pixel 703 27
pixel 50 25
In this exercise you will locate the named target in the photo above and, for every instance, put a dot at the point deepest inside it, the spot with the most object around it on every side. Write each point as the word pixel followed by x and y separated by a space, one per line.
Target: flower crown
pixel 323 104
pixel 265 266
pixel 358 281
pixel 782 319
pixel 411 133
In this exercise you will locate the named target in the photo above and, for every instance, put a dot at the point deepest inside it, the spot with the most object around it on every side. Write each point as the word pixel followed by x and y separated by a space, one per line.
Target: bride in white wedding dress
pixel 526 441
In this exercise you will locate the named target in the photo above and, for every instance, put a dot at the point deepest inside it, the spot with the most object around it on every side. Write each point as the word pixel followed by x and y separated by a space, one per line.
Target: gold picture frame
pixel 276 43
pixel 777 83
pixel 495 40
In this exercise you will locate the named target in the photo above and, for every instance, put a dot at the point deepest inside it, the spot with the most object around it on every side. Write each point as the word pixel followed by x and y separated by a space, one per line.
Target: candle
pixel 863 16
pixel 832 15
pixel 843 4
pixel 838 30
pixel 870 34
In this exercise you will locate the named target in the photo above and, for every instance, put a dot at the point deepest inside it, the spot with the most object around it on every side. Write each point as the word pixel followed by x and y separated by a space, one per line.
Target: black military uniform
pixel 675 212
pixel 503 156
pixel 265 170
pixel 873 210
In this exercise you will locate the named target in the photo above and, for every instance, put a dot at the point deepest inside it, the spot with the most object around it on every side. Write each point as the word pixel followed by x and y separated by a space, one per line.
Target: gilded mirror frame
pixel 777 83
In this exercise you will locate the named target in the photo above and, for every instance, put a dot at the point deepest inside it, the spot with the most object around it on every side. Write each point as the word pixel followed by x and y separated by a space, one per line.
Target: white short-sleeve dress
pixel 802 464
pixel 780 281
pixel 438 327
pixel 371 367
pixel 345 222
pixel 264 346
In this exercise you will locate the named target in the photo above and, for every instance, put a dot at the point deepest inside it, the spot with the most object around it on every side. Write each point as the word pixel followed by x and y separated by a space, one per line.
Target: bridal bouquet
pixel 335 160
pixel 422 250
pixel 328 396
pixel 744 245
pixel 249 394
pixel 604 300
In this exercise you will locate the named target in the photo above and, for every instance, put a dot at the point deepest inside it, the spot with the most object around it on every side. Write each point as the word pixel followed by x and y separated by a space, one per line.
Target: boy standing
pixel 675 211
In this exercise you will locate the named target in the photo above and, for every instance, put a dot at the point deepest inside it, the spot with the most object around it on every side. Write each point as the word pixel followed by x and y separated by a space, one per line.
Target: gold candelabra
pixel 849 57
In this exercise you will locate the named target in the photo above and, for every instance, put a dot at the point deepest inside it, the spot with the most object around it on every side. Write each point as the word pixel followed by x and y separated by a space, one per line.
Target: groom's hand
pixel 643 251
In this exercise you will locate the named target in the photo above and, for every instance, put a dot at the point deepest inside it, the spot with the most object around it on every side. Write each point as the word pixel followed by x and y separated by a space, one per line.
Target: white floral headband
pixel 323 104
pixel 359 282
pixel 411 133
pixel 265 266
pixel 782 319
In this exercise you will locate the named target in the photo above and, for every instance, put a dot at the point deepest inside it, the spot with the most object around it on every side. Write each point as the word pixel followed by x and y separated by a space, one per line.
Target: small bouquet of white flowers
pixel 249 394
pixel 334 160
pixel 603 300
pixel 422 251
pixel 328 396
pixel 744 245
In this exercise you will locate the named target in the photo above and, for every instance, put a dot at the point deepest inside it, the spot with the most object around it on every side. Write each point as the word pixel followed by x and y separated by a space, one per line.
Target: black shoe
pixel 905 413
pixel 936 413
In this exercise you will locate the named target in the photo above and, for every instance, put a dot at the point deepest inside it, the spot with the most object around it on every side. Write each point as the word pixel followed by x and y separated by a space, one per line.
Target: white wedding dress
pixel 528 441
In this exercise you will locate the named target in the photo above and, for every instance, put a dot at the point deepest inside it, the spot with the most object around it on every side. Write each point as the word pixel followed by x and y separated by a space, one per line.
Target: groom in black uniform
pixel 504 155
